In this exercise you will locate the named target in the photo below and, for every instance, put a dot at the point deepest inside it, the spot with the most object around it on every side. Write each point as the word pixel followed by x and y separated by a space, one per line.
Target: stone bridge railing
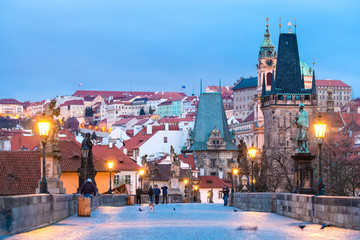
pixel 338 211
pixel 27 212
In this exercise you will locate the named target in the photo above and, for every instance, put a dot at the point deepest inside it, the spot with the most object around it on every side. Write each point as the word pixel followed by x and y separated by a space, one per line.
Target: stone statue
pixel 302 123
pixel 242 157
pixel 143 160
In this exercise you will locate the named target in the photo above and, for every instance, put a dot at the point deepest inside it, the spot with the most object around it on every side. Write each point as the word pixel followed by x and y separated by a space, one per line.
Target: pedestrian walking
pixel 157 194
pixel 165 194
pixel 225 191
pixel 88 189
pixel 151 193
pixel 138 195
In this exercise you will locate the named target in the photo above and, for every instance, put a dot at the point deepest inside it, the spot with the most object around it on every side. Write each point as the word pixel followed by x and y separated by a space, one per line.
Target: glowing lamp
pixel 141 172
pixel 110 165
pixel 196 188
pixel 320 129
pixel 235 171
pixel 252 151
pixel 44 127
pixel 186 181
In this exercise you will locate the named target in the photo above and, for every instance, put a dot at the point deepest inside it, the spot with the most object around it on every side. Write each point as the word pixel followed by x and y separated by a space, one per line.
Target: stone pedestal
pixel 304 173
pixel 174 187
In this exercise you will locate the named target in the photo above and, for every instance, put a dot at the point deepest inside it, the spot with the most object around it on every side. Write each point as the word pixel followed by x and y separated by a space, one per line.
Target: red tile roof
pixel 121 161
pixel 72 102
pixel 141 137
pixel 123 121
pixel 250 118
pixel 332 83
pixel 29 142
pixel 167 102
pixel 334 120
pixel 19 172
pixel 211 182
pixel 71 157
pixel 106 94
pixel 188 159
pixel 9 101
pixel 69 135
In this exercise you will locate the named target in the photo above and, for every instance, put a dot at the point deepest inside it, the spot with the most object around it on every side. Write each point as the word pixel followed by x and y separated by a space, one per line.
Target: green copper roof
pixel 210 114
pixel 305 69
pixel 267 41
pixel 246 83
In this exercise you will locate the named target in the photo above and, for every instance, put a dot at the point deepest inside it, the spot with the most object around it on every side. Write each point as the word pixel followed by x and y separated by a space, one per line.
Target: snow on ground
pixel 188 221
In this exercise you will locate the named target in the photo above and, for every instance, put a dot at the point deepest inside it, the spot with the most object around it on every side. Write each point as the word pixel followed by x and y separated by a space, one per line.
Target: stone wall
pixel 338 211
pixel 113 200
pixel 27 212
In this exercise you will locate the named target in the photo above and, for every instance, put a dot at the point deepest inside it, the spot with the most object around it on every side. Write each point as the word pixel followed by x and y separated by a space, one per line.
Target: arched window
pixel 268 78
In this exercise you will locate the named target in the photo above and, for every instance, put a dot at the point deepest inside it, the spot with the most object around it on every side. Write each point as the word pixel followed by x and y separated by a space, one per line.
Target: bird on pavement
pixel 235 210
pixel 302 227
pixel 140 210
pixel 245 228
pixel 326 225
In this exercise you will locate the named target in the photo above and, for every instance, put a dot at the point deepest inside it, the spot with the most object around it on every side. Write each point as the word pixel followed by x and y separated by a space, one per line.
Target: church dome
pixel 305 69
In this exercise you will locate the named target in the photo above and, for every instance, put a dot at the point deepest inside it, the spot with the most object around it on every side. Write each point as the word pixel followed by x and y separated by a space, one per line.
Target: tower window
pixel 268 78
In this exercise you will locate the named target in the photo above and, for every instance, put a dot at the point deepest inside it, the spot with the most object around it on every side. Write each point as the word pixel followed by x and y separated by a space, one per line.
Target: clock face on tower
pixel 269 62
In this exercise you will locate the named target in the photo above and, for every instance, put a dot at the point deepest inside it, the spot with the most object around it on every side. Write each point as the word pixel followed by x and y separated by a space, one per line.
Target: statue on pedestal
pixel 302 123
pixel 52 151
pixel 242 157
pixel 174 173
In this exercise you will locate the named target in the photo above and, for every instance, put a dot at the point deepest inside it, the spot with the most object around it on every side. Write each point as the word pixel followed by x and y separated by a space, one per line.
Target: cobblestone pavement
pixel 188 221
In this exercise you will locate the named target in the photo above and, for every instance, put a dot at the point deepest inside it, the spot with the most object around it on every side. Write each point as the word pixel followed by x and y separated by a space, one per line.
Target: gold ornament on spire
pixel 289 24
pixel 313 63
pixel 280 25
pixel 267 22
pixel 295 25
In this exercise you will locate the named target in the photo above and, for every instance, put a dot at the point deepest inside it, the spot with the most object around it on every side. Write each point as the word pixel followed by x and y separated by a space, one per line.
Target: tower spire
pixel 200 85
pixel 220 85
pixel 273 86
pixel 289 24
pixel 280 25
pixel 313 85
pixel 263 90
pixel 295 25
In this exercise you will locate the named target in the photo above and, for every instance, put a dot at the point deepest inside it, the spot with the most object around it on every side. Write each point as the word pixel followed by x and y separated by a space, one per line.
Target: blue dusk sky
pixel 48 47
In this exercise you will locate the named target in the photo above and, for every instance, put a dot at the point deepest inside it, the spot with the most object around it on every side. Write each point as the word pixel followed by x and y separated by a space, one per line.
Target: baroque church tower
pixel 266 61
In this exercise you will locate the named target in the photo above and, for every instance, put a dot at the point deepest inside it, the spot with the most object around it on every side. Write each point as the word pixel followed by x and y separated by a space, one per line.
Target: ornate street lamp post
pixel 235 171
pixel 44 127
pixel 85 154
pixel 320 129
pixel 252 153
pixel 141 172
pixel 185 190
pixel 110 165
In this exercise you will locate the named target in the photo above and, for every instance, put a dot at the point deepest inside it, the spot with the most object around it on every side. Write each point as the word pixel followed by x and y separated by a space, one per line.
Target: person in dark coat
pixel 88 189
pixel 157 194
pixel 138 195
pixel 225 191
pixel 151 193
pixel 165 194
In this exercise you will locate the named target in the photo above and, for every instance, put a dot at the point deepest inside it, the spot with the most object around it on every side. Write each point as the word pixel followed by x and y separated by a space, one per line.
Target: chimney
pixel 149 129
pixel 125 151
pixel 166 126
pixel 110 145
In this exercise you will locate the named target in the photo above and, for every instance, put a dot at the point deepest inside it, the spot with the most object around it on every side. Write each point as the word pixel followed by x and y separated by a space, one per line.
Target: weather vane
pixel 289 24
pixel 295 25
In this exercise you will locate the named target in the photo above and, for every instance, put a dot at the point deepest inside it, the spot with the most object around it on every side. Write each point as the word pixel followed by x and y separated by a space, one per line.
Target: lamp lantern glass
pixel 110 165
pixel 44 127
pixel 85 151
pixel 141 172
pixel 320 129
pixel 186 181
pixel 235 171
pixel 252 152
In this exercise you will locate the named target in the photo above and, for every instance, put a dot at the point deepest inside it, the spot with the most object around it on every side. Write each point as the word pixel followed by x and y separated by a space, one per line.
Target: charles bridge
pixel 25 213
